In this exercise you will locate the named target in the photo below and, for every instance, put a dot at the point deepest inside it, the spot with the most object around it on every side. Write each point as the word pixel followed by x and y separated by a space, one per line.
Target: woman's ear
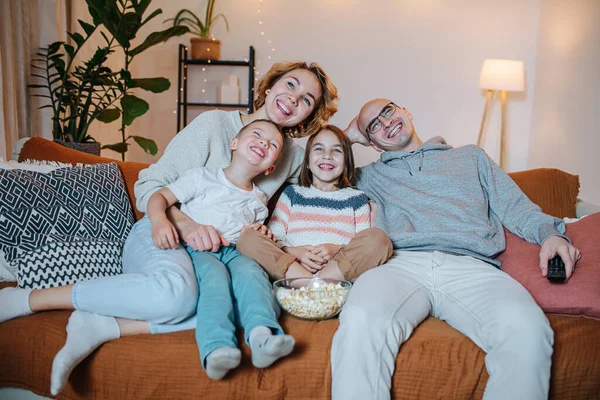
pixel 267 91
pixel 270 170
pixel 233 144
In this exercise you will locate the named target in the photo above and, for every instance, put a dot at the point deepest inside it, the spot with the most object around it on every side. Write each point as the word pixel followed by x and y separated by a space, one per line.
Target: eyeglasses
pixel 376 123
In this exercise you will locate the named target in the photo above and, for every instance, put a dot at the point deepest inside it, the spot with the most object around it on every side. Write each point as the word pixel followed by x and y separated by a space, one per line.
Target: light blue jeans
pixel 157 285
pixel 234 292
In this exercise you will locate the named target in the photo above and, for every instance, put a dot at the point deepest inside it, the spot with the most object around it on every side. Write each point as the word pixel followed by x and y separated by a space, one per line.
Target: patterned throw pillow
pixel 63 226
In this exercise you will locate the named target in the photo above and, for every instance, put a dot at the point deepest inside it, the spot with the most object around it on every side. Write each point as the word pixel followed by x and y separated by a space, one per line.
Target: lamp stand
pixel 483 119
pixel 485 110
pixel 502 114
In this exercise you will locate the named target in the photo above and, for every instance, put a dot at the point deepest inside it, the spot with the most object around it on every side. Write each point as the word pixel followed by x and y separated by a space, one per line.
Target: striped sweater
pixel 309 216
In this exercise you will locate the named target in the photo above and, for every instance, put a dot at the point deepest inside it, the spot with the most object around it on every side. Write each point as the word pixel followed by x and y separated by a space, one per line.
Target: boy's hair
pixel 260 120
pixel 324 108
pixel 347 176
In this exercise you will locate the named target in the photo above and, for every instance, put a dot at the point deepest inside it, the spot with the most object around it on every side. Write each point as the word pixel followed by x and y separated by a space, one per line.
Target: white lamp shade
pixel 506 75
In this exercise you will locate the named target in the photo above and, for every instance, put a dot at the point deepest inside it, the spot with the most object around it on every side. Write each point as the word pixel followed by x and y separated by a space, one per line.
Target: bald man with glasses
pixel 444 209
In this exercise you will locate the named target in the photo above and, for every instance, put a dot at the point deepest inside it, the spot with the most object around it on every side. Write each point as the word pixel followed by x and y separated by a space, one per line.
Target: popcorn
pixel 320 302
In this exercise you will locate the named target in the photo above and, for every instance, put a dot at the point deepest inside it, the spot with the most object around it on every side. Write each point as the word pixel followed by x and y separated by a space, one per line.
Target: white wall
pixel 565 129
pixel 424 54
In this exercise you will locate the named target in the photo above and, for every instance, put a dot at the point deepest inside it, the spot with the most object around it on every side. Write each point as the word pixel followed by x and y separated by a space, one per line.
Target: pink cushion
pixel 581 294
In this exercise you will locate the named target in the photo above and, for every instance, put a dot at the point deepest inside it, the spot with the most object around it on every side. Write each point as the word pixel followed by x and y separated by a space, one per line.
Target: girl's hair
pixel 324 108
pixel 347 176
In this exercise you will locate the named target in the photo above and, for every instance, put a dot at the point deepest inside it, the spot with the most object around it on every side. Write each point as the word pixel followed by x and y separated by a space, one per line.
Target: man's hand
pixel 354 134
pixel 557 245
pixel 327 250
pixel 203 237
pixel 262 229
pixel 306 258
pixel 164 234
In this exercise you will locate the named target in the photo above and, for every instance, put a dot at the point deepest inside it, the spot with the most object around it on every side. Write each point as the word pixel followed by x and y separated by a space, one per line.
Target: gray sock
pixel 15 303
pixel 222 360
pixel 268 348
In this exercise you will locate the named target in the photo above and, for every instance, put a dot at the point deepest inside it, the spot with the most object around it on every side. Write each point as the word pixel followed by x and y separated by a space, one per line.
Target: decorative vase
pixel 88 147
pixel 206 49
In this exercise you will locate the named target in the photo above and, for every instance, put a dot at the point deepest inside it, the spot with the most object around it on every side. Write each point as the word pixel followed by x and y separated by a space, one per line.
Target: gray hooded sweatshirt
pixel 451 200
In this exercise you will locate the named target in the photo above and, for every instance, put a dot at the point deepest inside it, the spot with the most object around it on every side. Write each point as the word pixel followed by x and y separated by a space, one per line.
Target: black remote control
pixel 556 270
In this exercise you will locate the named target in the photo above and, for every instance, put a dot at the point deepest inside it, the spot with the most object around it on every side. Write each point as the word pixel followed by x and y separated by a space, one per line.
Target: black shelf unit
pixel 182 79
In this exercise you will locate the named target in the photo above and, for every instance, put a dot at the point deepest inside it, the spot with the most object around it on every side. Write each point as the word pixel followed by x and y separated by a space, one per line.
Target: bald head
pixel 387 126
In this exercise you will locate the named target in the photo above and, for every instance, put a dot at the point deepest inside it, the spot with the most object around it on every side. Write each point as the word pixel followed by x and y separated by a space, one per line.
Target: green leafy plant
pixel 201 29
pixel 80 94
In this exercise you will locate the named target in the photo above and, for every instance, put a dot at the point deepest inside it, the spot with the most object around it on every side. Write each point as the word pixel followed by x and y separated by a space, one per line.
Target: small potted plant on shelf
pixel 204 47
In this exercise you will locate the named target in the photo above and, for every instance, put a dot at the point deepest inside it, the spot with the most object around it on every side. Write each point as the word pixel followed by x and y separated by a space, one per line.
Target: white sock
pixel 268 348
pixel 15 303
pixel 222 360
pixel 85 332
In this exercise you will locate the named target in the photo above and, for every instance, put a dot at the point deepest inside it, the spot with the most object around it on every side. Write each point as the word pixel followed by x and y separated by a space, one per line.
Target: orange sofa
pixel 436 362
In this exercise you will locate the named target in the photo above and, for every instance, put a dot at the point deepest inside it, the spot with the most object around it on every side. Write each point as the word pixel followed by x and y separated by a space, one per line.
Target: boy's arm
pixel 189 149
pixel 164 234
pixel 524 218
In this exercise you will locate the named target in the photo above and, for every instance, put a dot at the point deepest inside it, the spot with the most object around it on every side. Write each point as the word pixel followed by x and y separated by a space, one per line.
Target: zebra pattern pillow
pixel 63 226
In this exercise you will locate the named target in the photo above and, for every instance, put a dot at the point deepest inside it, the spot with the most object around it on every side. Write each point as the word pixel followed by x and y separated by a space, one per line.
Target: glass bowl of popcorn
pixel 312 298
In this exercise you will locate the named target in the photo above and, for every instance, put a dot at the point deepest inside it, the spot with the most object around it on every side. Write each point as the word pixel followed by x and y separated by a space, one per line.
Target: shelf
pixel 217 62
pixel 182 84
pixel 217 105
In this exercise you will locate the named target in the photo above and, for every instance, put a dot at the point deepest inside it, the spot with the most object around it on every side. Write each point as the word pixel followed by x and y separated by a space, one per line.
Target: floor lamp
pixel 503 76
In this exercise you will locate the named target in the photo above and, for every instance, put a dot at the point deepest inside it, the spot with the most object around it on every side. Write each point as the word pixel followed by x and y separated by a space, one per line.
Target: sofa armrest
pixel 584 208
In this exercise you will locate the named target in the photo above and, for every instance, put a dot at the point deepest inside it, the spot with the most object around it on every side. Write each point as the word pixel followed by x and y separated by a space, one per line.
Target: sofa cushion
pixel 63 226
pixel 37 148
pixel 555 191
pixel 437 362
pixel 580 295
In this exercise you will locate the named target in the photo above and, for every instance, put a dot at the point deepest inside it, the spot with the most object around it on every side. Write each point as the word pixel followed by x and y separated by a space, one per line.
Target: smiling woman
pixel 298 98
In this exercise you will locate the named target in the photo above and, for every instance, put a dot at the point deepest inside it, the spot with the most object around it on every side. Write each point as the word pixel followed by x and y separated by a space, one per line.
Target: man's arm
pixel 524 218
pixel 354 134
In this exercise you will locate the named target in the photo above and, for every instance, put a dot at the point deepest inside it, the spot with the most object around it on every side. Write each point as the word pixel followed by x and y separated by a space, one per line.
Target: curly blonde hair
pixel 324 108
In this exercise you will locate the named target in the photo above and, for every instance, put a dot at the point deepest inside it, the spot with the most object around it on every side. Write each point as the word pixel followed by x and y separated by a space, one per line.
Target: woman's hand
pixel 303 254
pixel 327 250
pixel 164 234
pixel 354 134
pixel 203 237
pixel 260 228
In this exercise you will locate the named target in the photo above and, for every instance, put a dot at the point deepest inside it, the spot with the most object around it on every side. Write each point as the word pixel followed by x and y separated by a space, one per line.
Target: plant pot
pixel 206 49
pixel 89 147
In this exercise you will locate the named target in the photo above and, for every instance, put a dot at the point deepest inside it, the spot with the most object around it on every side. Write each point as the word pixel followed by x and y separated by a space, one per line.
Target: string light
pixel 262 32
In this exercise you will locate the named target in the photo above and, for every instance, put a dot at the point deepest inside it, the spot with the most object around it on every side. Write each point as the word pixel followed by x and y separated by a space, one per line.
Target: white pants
pixel 482 302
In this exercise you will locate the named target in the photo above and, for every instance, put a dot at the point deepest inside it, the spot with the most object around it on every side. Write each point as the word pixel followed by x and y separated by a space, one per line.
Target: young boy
pixel 234 289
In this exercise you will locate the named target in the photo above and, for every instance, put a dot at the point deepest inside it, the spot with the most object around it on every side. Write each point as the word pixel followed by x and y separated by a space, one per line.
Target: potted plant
pixel 81 93
pixel 204 47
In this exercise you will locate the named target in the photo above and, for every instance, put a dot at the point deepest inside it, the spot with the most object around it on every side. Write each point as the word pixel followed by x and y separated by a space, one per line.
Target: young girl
pixel 322 225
